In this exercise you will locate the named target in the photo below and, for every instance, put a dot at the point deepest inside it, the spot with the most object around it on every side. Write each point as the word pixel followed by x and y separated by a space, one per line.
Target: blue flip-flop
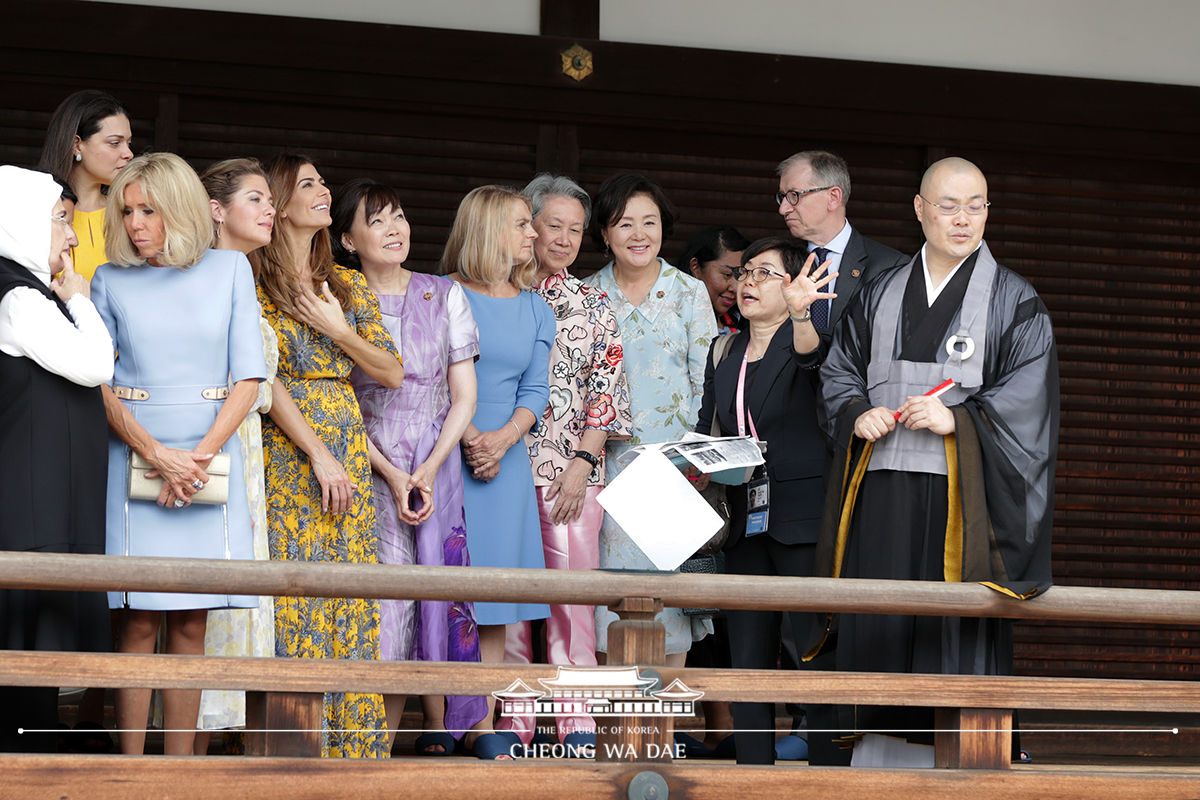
pixel 491 746
pixel 427 740
pixel 726 748
pixel 692 747
pixel 579 743
pixel 791 748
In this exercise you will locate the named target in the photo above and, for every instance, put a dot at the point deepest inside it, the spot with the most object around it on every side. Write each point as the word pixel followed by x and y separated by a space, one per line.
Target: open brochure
pixel 728 459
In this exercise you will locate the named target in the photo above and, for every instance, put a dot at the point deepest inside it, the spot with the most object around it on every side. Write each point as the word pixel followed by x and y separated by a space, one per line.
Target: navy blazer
pixel 863 260
pixel 782 400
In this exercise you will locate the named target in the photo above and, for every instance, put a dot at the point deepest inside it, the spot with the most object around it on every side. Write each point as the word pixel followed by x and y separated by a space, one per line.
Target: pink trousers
pixel 570 630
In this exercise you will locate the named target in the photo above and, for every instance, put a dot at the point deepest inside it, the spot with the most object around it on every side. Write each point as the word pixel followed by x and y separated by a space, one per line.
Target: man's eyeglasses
pixel 62 221
pixel 950 209
pixel 759 274
pixel 793 196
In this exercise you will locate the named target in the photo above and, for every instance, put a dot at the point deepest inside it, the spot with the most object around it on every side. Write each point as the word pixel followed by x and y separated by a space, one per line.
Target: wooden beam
pixel 573 19
pixel 52 777
pixel 124 670
pixel 849 595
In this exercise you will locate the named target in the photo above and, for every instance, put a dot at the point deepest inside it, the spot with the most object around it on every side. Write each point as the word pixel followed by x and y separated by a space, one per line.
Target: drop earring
pixel 78 157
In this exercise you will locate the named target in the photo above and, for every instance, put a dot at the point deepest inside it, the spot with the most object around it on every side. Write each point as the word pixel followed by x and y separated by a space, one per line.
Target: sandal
pixel 425 743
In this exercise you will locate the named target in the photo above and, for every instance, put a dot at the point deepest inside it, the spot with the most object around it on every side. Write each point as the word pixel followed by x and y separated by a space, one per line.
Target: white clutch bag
pixel 215 492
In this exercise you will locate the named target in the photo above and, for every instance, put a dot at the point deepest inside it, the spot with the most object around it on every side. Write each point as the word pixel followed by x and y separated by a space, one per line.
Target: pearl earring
pixel 78 157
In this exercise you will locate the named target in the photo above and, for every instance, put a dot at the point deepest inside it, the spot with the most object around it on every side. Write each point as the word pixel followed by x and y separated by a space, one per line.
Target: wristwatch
pixel 586 456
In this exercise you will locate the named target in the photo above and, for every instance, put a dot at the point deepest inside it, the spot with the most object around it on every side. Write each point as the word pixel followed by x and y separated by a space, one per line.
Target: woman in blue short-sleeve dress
pixel 184 320
pixel 490 252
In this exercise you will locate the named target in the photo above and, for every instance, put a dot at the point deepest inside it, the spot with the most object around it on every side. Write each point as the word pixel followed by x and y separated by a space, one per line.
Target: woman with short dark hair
pixel 765 387
pixel 666 321
pixel 413 434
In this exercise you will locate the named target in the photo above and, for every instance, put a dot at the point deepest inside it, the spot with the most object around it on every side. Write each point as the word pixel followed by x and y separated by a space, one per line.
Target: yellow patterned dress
pixel 317 374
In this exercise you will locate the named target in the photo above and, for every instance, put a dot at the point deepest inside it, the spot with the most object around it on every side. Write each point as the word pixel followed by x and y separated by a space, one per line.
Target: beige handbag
pixel 215 492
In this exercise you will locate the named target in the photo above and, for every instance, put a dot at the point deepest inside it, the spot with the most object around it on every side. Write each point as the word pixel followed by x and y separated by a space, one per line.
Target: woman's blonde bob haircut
pixel 477 248
pixel 174 191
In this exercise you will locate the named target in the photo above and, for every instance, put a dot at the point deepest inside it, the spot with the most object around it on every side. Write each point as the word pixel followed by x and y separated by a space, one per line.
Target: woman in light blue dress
pixel 667 323
pixel 490 252
pixel 184 320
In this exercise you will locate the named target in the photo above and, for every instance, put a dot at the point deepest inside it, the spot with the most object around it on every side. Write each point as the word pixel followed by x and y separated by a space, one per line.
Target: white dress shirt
pixel 836 247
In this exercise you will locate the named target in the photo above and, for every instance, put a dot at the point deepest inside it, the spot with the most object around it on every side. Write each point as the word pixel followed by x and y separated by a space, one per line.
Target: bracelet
pixel 586 456
pixel 807 316
pixel 520 435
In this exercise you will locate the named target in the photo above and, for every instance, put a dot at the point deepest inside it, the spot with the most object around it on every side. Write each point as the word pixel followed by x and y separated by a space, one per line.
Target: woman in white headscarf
pixel 54 353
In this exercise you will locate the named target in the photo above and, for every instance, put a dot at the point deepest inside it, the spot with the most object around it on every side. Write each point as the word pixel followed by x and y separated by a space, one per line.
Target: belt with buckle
pixel 130 393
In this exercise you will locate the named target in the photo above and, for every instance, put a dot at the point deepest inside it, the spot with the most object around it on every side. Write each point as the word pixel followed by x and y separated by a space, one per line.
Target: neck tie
pixel 820 309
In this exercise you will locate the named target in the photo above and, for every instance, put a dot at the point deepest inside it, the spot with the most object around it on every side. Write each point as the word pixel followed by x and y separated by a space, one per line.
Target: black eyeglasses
pixel 759 274
pixel 793 196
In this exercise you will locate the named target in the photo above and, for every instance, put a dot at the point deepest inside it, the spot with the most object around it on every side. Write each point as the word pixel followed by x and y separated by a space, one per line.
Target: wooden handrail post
pixel 636 638
pixel 284 723
pixel 972 738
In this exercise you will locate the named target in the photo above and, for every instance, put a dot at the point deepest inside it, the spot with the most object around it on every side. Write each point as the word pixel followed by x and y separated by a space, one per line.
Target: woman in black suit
pixel 766 386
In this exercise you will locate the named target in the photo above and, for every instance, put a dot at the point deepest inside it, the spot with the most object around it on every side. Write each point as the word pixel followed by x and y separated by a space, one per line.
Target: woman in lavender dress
pixel 413 435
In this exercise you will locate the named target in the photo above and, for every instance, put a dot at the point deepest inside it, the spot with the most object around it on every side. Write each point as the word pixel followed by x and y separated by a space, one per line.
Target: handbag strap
pixel 720 349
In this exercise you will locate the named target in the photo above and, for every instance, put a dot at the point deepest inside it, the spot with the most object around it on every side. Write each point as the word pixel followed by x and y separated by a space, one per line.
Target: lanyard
pixel 742 414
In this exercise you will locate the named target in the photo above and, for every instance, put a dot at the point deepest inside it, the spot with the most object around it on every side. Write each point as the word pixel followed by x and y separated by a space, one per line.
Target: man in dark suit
pixel 814 187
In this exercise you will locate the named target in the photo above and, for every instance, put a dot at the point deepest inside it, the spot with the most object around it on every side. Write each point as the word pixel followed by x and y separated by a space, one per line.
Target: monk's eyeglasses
pixel 950 209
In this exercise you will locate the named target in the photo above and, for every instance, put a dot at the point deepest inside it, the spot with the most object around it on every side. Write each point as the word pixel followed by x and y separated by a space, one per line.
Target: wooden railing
pixel 284 693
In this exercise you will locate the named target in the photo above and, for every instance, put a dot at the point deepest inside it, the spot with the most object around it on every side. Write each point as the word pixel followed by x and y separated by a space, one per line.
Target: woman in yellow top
pixel 87 144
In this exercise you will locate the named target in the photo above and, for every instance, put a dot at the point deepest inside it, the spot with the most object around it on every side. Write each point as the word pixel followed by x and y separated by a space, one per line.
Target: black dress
pixel 53 474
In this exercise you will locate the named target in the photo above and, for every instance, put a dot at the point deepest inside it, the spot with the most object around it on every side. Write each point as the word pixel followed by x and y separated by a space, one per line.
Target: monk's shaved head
pixel 952 166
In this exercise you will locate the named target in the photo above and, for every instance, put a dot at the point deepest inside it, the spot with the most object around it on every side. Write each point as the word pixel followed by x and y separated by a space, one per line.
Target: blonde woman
pixel 490 252
pixel 184 319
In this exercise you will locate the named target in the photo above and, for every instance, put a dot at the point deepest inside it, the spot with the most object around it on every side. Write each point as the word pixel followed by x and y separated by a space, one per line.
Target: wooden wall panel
pixel 1095 185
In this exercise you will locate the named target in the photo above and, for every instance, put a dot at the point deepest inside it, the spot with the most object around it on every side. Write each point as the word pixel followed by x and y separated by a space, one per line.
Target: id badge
pixel 758 492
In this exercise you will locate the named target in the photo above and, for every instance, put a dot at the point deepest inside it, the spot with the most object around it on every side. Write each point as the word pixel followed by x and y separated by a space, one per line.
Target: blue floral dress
pixel 666 342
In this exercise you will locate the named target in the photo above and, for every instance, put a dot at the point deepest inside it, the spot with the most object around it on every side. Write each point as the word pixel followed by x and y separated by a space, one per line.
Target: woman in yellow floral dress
pixel 327 321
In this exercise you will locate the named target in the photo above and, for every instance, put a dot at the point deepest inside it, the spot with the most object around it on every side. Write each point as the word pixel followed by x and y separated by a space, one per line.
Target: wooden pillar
pixel 973 738
pixel 636 638
pixel 284 723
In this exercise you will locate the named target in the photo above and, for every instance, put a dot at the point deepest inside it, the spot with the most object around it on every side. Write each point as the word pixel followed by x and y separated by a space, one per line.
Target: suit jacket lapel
pixel 726 383
pixel 850 272
pixel 774 361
